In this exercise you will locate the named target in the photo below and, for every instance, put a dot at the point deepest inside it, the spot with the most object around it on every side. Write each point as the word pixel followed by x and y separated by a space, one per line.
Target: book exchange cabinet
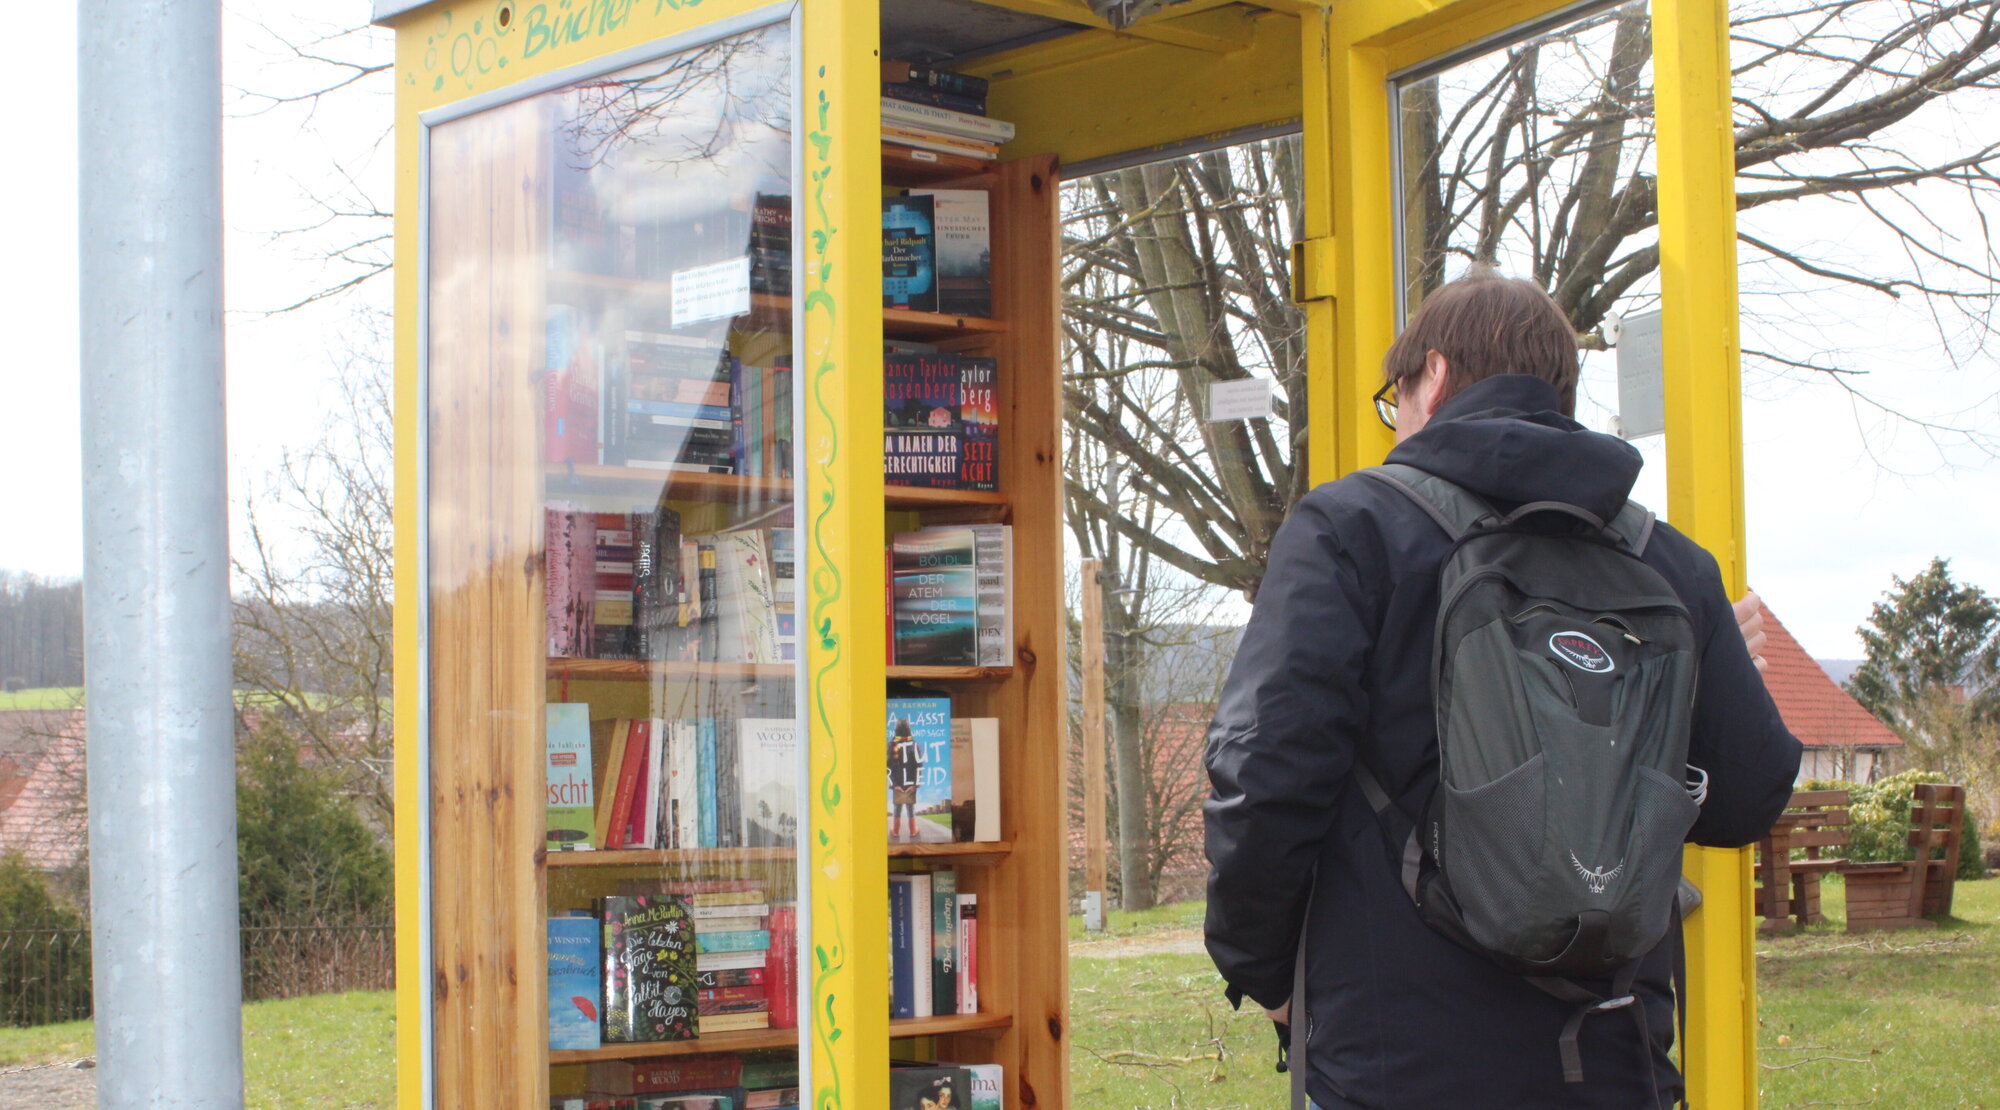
pixel 731 679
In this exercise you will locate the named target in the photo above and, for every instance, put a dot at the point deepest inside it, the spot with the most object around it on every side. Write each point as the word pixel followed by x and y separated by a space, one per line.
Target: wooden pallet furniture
pixel 1814 822
pixel 1904 894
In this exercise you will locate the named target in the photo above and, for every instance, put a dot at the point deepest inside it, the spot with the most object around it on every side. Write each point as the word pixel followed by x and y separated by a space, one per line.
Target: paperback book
pixel 919 739
pixel 934 597
pixel 575 982
pixel 571 800
pixel 909 244
pixel 963 231
pixel 649 968
pixel 769 759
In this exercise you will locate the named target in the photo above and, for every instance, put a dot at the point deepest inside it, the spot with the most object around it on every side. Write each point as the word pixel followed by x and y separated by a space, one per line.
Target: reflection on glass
pixel 636 272
pixel 1537 158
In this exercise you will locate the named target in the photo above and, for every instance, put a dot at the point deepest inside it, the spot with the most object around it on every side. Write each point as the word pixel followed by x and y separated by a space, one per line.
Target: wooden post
pixel 1093 734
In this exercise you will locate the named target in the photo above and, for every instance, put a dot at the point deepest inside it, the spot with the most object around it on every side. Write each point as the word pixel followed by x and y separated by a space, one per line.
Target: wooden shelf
pixel 901 323
pixel 752 1039
pixel 635 670
pixel 700 857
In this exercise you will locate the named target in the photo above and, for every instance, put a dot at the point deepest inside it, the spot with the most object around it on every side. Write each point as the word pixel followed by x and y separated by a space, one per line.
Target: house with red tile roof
pixel 1842 740
pixel 42 813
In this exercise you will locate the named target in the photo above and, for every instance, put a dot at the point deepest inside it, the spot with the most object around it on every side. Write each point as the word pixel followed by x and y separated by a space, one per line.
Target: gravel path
pixel 66 1085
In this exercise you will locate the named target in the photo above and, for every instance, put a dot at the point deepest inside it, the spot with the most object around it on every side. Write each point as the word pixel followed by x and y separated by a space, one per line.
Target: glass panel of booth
pixel 611 558
pixel 1537 157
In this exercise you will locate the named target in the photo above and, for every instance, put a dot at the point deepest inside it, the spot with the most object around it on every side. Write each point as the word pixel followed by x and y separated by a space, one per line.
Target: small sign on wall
pixel 715 292
pixel 1642 382
pixel 1242 399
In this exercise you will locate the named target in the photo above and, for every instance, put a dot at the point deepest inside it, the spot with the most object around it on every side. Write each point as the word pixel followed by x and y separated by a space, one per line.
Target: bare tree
pixel 1539 156
pixel 315 590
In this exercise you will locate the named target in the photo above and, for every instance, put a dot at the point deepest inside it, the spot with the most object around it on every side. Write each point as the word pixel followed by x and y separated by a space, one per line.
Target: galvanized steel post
pixel 162 780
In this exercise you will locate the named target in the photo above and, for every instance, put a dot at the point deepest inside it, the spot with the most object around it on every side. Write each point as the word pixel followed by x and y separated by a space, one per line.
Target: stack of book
pixel 695 958
pixel 946 770
pixel 933 946
pixel 674 408
pixel 674 783
pixel 926 108
pixel 950 604
pixel 940 421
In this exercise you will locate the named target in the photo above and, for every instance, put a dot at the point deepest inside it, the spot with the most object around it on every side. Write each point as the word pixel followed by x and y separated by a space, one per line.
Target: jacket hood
pixel 1502 438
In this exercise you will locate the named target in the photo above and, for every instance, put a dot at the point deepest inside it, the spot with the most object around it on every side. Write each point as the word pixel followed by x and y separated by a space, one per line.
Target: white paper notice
pixel 1242 399
pixel 712 292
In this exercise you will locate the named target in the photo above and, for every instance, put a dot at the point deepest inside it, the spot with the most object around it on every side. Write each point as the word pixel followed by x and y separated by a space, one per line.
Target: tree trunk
pixel 1122 696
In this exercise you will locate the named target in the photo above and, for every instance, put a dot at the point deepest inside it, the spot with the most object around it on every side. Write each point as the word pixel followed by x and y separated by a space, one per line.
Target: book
pixel 686 1073
pixel 756 940
pixel 593 1102
pixel 774 1099
pixel 975 779
pixel 919 737
pixel 926 76
pixel 993 572
pixel 779 1071
pixel 715 978
pixel 979 421
pixel 732 1023
pixel 931 1087
pixel 922 945
pixel 639 757
pixel 575 982
pixel 704 794
pixel 569 588
pixel 965 125
pixel 729 961
pixel 783 965
pixel 989 1084
pixel 934 593
pixel 571 800
pixel 963 229
pixel 942 143
pixel 902 953
pixel 944 942
pixel 659 743
pixel 707 1098
pixel 684 786
pixel 707 1008
pixel 632 762
pixel 743 924
pixel 769 760
pixel 908 254
pixel 968 953
pixel 649 969
pixel 922 420
pixel 919 94
pixel 570 389
pixel 607 762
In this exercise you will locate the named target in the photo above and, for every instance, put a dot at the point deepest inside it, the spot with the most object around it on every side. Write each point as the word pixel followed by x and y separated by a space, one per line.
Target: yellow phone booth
pixel 724 529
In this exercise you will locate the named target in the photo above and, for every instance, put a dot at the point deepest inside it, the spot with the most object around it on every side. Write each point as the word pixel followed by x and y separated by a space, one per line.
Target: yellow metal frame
pixel 1351 215
pixel 448 53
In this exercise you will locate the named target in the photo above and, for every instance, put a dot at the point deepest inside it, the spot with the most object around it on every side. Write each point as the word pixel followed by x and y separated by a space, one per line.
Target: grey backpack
pixel 1563 675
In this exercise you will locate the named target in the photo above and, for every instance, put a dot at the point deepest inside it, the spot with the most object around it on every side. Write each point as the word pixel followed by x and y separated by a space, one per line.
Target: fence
pixel 45 973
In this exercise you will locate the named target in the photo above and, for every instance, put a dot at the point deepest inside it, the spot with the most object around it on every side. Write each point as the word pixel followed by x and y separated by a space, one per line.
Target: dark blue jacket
pixel 1334 667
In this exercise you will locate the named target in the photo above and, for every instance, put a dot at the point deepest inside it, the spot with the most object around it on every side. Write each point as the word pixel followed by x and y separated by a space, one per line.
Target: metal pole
pixel 166 967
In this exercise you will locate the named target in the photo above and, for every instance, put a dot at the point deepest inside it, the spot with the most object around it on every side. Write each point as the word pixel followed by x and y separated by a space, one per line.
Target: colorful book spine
pixel 944 942
pixel 576 986
pixel 943 144
pixel 687 1073
pixel 705 780
pixel 926 117
pixel 754 941
pixel 931 77
pixel 968 953
pixel 922 996
pixel 902 973
pixel 937 98
pixel 784 967
pixel 571 801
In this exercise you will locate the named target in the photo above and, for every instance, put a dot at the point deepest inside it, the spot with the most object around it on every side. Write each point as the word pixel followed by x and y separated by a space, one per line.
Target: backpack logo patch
pixel 1581 652
pixel 1596 878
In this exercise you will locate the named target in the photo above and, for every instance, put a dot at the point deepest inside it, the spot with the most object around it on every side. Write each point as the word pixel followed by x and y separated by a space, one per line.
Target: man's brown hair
pixel 1486 324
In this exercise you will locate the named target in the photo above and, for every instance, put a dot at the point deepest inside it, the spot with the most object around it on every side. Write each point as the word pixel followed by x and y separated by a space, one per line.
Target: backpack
pixel 1563 675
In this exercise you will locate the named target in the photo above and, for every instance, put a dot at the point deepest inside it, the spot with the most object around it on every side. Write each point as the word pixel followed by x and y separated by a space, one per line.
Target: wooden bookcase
pixel 486 675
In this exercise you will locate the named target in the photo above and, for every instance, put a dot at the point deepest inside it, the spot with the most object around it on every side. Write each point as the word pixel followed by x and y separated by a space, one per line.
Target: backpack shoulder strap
pixel 1452 506
pixel 1634 526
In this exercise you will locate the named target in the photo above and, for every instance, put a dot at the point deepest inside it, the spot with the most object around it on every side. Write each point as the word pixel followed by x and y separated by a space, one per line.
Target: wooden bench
pixel 1901 895
pixel 1788 887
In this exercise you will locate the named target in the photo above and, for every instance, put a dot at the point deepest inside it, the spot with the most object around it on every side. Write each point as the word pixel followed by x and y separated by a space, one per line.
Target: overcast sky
pixel 1839 498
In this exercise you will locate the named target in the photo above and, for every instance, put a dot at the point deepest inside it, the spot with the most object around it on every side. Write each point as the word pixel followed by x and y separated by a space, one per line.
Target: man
pixel 1334 670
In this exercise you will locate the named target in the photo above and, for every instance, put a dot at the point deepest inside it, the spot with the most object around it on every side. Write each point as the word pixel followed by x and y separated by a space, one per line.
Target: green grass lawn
pixel 1903 1020
pixel 327 1051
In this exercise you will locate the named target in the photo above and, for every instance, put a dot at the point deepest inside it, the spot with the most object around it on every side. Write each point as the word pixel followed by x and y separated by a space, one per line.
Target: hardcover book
pixel 975 779
pixel 934 598
pixel 575 982
pixel 572 808
pixel 909 245
pixel 964 236
pixel 931 77
pixel 770 773
pixel 919 737
pixel 902 954
pixel 649 968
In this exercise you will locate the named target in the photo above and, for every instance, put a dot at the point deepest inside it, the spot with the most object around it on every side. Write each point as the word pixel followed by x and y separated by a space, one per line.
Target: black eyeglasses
pixel 1385 403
